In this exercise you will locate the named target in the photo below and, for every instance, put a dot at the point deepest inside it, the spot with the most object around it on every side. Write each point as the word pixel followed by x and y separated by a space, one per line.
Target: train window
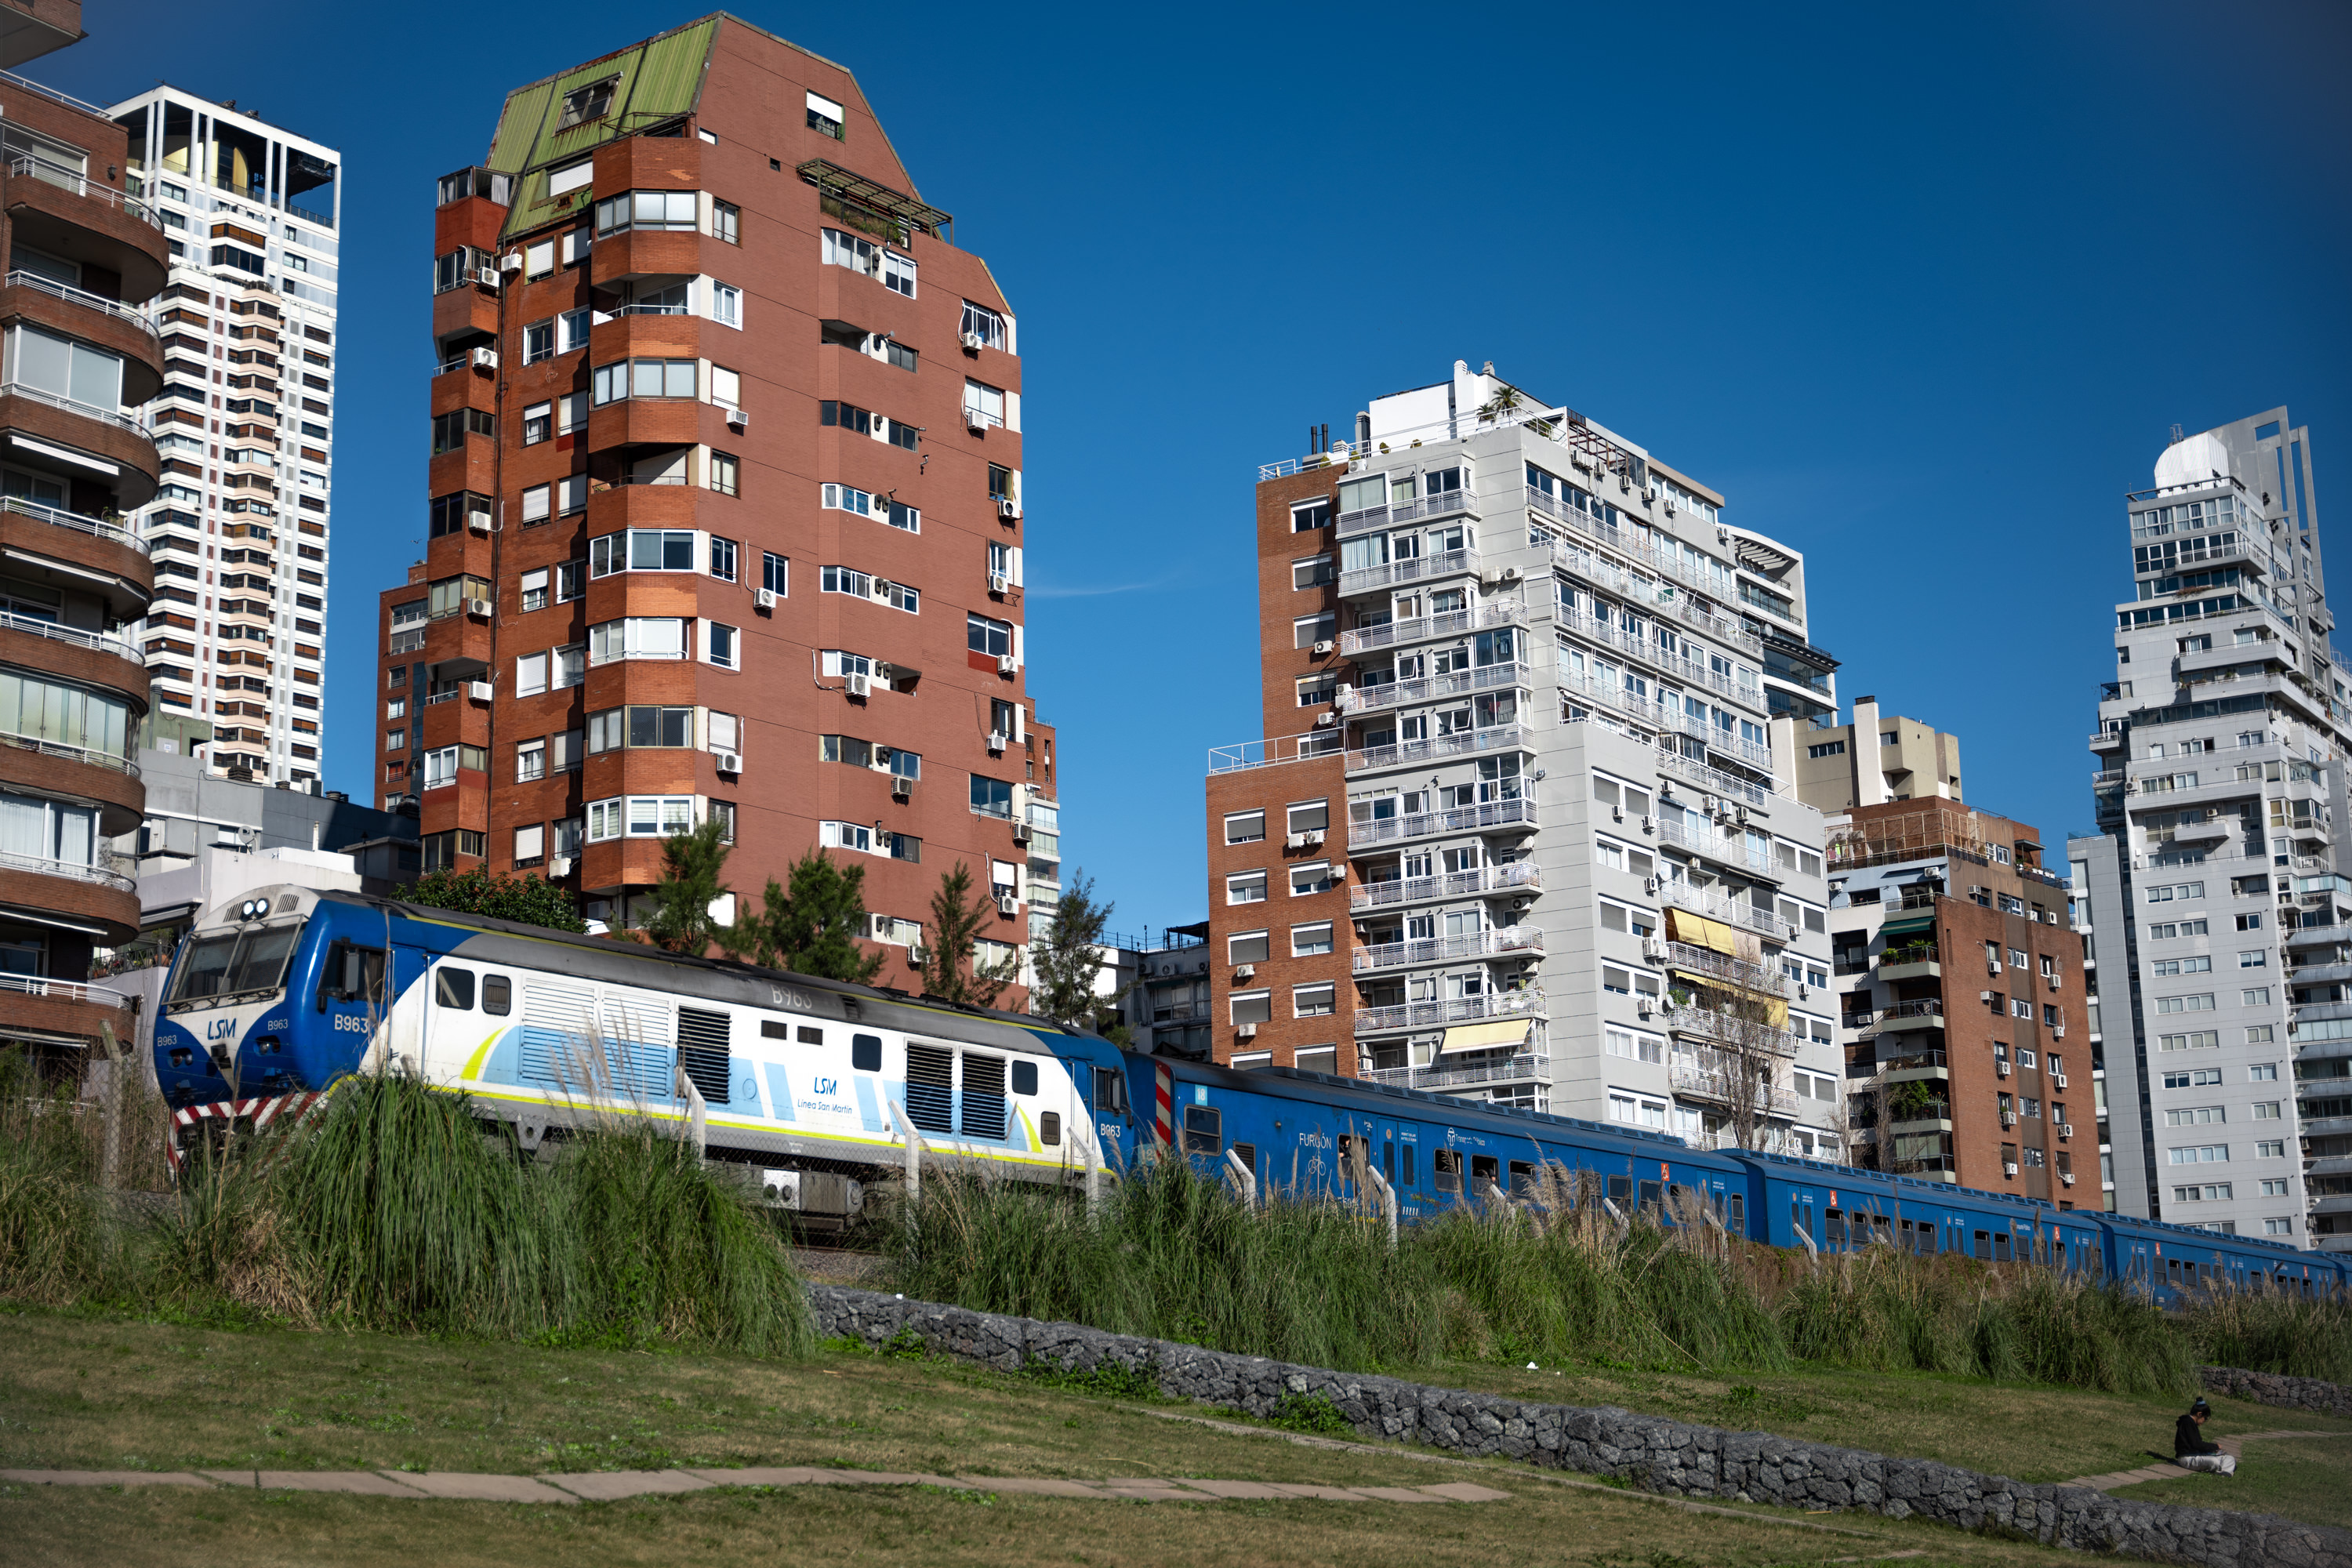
pixel 1653 1195
pixel 1620 1190
pixel 1388 1161
pixel 1735 1213
pixel 1984 1244
pixel 865 1050
pixel 1025 1078
pixel 1347 1169
pixel 351 974
pixel 1204 1129
pixel 1049 1128
pixel 497 994
pixel 1523 1179
pixel 1410 1178
pixel 1485 1171
pixel 1110 1093
pixel 1247 1154
pixel 1834 1227
pixel 2000 1247
pixel 1926 1235
pixel 453 988
pixel 1445 1165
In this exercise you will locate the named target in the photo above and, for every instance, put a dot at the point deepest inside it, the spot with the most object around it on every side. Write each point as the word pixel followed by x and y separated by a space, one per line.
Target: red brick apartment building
pixel 82 256
pixel 725 501
pixel 1963 1002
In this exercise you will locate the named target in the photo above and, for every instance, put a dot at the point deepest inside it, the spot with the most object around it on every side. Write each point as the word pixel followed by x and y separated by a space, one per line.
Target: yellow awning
pixel 1477 1036
pixel 1700 931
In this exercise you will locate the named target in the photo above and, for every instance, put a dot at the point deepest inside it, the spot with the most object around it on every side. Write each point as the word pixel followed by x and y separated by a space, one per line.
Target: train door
pixel 1803 1227
pixel 353 996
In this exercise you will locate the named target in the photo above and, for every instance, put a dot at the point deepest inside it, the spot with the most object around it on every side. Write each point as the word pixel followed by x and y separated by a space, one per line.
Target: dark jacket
pixel 2187 1439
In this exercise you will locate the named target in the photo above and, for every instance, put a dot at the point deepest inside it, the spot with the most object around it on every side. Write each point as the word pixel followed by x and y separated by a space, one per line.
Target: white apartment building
pixel 2217 909
pixel 245 425
pixel 1567 847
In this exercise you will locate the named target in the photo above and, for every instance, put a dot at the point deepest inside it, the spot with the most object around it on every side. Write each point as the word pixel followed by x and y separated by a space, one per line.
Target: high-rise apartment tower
pixel 84 254
pixel 2218 906
pixel 1518 833
pixel 700 347
pixel 243 424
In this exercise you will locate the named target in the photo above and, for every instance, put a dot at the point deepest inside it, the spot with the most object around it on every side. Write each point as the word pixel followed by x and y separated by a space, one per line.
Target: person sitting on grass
pixel 2192 1451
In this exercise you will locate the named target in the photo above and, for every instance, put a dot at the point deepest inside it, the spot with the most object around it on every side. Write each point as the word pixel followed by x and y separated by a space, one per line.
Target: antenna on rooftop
pixel 2176 437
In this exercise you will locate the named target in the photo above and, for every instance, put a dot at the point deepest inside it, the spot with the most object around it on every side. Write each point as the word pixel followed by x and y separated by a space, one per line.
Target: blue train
pixel 819 1085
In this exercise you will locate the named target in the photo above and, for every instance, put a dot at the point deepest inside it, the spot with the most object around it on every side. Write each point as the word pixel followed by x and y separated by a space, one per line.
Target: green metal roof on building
pixel 652 81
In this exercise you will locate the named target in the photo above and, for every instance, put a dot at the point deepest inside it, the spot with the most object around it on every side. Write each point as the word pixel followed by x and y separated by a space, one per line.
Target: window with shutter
pixel 931 1088
pixel 703 1053
pixel 981 1105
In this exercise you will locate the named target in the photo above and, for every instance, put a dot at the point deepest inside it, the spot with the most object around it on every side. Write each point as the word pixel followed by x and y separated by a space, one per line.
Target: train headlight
pixel 252 909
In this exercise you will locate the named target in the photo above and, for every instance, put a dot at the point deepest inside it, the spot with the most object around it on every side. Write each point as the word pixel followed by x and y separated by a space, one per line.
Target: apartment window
pixel 2280 1225
pixel 775 574
pixel 983 405
pixel 1246 947
pixel 1308 630
pixel 641 549
pixel 865 586
pixel 992 797
pixel 584 104
pixel 646 209
pixel 857 254
pixel 2266 1111
pixel 1245 887
pixel 536 503
pixel 898 273
pixel 2271 1149
pixel 1308 516
pixel 450 429
pixel 640 725
pixel 452 513
pixel 571 580
pixel 2195 1115
pixel 538 421
pixel 1316 1001
pixel 845 498
pixel 642 378
pixel 722 644
pixel 727 306
pixel 571 412
pixel 1252 1006
pixel 723 559
pixel 726 475
pixel 572 334
pixel 982 635
pixel 2197 1154
pixel 726 222
pixel 530 675
pixel 65 369
pixel 1244 826
pixel 1308 940
pixel 2254 996
pixel 539 341
pixel 530 761
pixel 2263 1072
pixel 637 636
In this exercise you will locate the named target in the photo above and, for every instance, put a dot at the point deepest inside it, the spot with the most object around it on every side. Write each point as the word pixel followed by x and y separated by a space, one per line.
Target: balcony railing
pixel 1425 629
pixel 1715 846
pixel 81 185
pixel 52 94
pixel 1715 1083
pixel 82 296
pixel 1424 508
pixel 1461 819
pixel 1517 875
pixel 1707 1024
pixel 97 642
pixel 1304 747
pixel 121 421
pixel 1497 738
pixel 57 517
pixel 1440 1079
pixel 1528 1003
pixel 1496 942
pixel 1867 1025
pixel 91 755
pixel 41 864
pixel 407 642
pixel 70 990
pixel 1732 911
pixel 1691 960
pixel 1453 683
pixel 1446 564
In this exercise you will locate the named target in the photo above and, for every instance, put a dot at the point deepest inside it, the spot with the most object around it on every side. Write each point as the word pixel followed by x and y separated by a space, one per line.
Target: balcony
pixel 1427 628
pixel 1921 962
pixel 1487 818
pixel 1721 966
pixel 1461 742
pixel 1738 852
pixel 1927 1013
pixel 1707 1024
pixel 1914 1066
pixel 1518 876
pixel 1446 1079
pixel 104 323
pixel 1428 687
pixel 406 641
pixel 1420 568
pixel 1693 1082
pixel 67 214
pixel 70 1009
pixel 1732 911
pixel 1429 509
pixel 1499 943
pixel 1528 1003
pixel 96 894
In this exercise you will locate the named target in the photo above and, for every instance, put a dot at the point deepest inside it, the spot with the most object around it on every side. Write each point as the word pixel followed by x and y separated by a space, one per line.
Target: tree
pixel 690 885
pixel 478 890
pixel 1746 1034
pixel 1069 960
pixel 811 930
pixel 950 971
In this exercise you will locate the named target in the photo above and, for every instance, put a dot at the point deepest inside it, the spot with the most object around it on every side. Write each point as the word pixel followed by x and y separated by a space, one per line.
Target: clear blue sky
pixel 1921 291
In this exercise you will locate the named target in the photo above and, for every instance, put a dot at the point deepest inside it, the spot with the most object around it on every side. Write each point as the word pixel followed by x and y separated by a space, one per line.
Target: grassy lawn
pixel 94 1392
pixel 2299 1478
pixel 2026 1432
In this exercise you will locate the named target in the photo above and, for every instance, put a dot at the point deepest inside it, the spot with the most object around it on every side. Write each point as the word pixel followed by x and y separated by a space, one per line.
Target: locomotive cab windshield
pixel 236 964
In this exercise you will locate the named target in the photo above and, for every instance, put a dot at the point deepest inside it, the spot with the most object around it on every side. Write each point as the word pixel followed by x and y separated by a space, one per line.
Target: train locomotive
pixel 817 1085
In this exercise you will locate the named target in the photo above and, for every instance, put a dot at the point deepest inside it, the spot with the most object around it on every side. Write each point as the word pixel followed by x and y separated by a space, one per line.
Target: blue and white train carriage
pixel 290 988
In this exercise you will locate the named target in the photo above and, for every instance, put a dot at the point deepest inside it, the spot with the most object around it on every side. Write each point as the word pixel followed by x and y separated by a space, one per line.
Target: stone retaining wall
pixel 2270 1388
pixel 1659 1455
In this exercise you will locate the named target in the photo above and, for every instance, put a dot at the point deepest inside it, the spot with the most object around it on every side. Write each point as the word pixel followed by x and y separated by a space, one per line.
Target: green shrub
pixel 53 1223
